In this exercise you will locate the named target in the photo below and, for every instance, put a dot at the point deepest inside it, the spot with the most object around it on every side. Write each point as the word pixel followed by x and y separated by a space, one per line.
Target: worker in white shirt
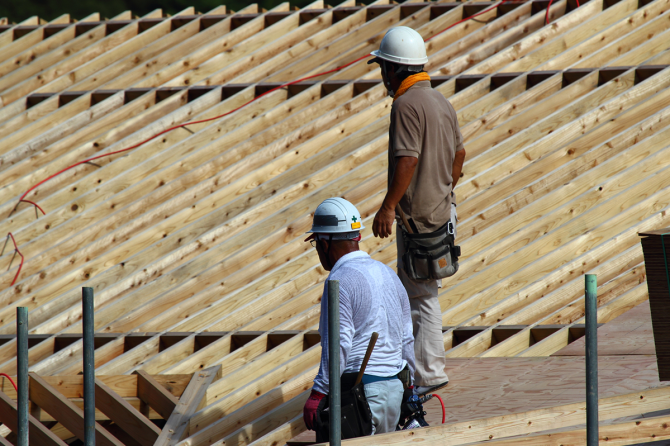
pixel 372 299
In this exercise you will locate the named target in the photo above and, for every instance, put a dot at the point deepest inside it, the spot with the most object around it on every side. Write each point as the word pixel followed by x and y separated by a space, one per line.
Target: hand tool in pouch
pixel 366 358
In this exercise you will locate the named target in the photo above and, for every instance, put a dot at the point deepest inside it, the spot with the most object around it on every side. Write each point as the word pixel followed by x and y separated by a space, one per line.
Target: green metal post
pixel 335 390
pixel 22 374
pixel 591 314
pixel 89 367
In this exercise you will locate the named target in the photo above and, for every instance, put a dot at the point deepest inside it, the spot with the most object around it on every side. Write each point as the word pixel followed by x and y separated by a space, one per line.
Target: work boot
pixel 423 390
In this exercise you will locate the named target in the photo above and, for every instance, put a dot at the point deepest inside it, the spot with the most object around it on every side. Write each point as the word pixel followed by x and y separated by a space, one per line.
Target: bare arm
pixel 402 177
pixel 457 167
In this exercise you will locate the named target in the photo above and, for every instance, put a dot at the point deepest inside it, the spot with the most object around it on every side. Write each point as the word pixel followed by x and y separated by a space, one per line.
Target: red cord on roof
pixel 16 251
pixel 88 160
pixel 444 412
pixel 546 19
pixel 10 380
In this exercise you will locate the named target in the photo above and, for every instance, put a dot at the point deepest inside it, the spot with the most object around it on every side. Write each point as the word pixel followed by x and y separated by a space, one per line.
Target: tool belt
pixel 356 415
pixel 431 256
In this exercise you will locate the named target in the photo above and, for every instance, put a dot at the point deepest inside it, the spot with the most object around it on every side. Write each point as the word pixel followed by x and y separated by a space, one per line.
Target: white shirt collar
pixel 348 258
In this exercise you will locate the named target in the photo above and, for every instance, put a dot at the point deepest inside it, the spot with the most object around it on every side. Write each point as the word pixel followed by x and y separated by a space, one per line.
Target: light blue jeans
pixel 384 398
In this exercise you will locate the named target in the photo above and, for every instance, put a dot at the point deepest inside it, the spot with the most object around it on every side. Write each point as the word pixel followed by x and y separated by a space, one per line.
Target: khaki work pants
pixel 426 320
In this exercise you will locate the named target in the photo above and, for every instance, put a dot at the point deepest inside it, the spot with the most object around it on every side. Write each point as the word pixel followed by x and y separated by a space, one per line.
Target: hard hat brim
pixel 395 59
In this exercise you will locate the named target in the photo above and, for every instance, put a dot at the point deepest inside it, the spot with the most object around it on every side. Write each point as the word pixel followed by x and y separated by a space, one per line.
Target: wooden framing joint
pixel 574 74
pixel 436 81
pixel 538 6
pixel 167 340
pixel 178 21
pixel 500 79
pixel 374 11
pixel 540 332
pixel 193 398
pixel 154 395
pixel 438 9
pixel 203 339
pixel 407 9
pixel 114 25
pixel 145 24
pixel 209 20
pixel 466 80
pixel 274 17
pixel 229 90
pixel 38 432
pixel 133 93
pixel 502 332
pixel 344 12
pixel 278 337
pixel 310 339
pixel 34 99
pixel 310 14
pixel 66 412
pixel 198 90
pixel 606 74
pixel 537 77
pixel 165 92
pixel 132 340
pixel 241 19
pixel 100 95
pixel 68 96
pixel 646 71
pixel 472 8
pixel 462 334
pixel 329 86
pixel 242 338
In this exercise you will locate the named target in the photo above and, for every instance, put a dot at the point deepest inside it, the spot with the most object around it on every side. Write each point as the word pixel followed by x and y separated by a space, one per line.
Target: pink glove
pixel 309 411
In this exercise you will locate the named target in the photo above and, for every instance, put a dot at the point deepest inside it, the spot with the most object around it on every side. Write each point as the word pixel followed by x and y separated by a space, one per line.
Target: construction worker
pixel 372 299
pixel 425 160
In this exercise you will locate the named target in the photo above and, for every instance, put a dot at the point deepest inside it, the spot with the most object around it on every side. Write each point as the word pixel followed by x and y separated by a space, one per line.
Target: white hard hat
pixel 335 216
pixel 402 45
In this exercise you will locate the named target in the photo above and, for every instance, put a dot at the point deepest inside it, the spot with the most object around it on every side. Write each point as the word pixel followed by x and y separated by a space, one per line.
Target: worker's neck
pixel 395 83
pixel 339 249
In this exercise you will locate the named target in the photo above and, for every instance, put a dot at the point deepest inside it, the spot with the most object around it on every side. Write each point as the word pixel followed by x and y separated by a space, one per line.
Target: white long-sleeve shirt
pixel 372 298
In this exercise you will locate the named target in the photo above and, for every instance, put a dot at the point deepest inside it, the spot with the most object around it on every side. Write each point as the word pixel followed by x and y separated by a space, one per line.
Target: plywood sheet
pixel 487 387
pixel 629 334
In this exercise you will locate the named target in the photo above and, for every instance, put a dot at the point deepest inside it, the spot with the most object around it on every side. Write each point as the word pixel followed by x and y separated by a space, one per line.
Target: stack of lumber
pixel 193 242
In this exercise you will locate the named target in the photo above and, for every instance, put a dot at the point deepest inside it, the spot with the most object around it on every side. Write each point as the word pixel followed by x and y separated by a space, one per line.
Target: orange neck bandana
pixel 409 81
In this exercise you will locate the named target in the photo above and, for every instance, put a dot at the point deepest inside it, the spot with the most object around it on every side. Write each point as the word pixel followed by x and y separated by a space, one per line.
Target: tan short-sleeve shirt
pixel 424 125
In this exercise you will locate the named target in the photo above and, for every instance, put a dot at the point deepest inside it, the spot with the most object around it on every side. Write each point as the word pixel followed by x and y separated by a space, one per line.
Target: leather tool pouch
pixel 431 256
pixel 405 377
pixel 356 414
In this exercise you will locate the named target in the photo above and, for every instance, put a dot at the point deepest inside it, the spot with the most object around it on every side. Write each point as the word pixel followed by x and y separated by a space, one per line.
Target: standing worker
pixel 425 160
pixel 372 299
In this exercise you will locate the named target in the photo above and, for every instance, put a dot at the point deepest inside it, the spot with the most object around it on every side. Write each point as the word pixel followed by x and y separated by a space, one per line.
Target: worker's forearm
pixel 457 167
pixel 402 177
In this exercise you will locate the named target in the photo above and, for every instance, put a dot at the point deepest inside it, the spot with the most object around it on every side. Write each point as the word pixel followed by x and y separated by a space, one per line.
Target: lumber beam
pixel 194 396
pixel 124 415
pixel 463 81
pixel 648 429
pixel 155 395
pixel 63 410
pixel 38 432
pixel 525 423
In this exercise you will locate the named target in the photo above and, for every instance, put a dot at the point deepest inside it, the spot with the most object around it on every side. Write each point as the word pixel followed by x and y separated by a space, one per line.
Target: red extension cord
pixel 88 160
pixel 10 380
